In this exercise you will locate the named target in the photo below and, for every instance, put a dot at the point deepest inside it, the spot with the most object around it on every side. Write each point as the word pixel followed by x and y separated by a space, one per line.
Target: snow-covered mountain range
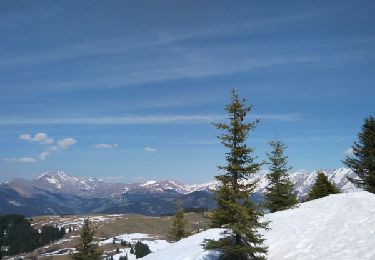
pixel 90 187
pixel 60 182
pixel 59 193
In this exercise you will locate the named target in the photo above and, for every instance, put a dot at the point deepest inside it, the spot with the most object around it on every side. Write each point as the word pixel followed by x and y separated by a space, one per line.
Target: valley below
pixel 110 230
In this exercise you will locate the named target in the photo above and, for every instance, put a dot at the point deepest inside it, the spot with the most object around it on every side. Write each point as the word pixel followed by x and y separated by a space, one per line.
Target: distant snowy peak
pixel 302 180
pixel 62 176
pixel 160 186
pixel 212 185
pixel 148 183
pixel 60 182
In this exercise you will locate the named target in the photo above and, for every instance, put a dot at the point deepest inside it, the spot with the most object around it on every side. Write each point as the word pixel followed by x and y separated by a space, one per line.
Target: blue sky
pixel 126 90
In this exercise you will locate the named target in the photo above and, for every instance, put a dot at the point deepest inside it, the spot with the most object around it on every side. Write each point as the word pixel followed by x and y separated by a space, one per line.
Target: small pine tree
pixel 280 190
pixel 322 187
pixel 141 250
pixel 117 250
pixel 131 250
pixel 178 227
pixel 363 160
pixel 236 212
pixel 87 248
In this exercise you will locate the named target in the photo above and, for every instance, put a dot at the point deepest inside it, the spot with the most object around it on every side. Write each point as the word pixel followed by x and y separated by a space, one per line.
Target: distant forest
pixel 19 236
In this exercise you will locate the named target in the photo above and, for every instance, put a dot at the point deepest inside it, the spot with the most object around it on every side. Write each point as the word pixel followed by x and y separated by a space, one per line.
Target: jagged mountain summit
pixel 56 192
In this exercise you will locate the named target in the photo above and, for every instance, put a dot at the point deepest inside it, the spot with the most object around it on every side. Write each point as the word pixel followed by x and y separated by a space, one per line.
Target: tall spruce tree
pixel 235 211
pixel 322 187
pixel 87 248
pixel 178 227
pixel 280 190
pixel 363 160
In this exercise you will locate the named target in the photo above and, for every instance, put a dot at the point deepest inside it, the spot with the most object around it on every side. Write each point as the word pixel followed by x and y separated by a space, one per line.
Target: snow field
pixel 338 227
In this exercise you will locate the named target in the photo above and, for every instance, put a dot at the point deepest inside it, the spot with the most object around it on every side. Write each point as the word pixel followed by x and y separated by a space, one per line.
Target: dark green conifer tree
pixel 141 250
pixel 362 162
pixel 280 190
pixel 178 227
pixel 236 212
pixel 87 248
pixel 322 187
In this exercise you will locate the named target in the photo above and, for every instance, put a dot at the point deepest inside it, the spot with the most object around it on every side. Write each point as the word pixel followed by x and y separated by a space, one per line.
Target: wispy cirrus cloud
pixel 163 38
pixel 111 120
pixel 142 119
pixel 21 160
pixel 167 68
pixel 150 149
pixel 279 117
pixel 104 146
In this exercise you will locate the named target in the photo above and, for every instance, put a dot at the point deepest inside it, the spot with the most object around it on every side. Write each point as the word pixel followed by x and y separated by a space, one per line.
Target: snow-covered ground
pixel 153 243
pixel 338 227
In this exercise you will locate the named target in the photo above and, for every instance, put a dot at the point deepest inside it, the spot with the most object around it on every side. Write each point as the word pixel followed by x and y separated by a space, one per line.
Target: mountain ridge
pixel 56 192
pixel 60 182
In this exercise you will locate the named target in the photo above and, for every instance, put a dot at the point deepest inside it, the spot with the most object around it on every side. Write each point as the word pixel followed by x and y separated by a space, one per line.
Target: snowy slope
pixel 153 243
pixel 340 226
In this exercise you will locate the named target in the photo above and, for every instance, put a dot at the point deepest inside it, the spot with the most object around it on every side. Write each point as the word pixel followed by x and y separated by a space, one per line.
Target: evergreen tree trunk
pixel 236 212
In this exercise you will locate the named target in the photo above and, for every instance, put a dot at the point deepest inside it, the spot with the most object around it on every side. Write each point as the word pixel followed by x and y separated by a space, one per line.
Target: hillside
pixel 340 226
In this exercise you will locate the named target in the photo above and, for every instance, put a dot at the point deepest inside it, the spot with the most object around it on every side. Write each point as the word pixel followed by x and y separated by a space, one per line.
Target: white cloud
pixel 66 142
pixel 26 137
pixel 150 149
pixel 144 119
pixel 43 155
pixel 105 146
pixel 41 138
pixel 21 160
pixel 349 152
pixel 53 148
pixel 124 120
pixel 278 117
